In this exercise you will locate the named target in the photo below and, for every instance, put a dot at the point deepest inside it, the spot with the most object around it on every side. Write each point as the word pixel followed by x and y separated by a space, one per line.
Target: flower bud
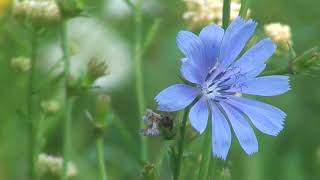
pixel 103 109
pixel 70 8
pixel 307 62
pixel 38 11
pixel 280 34
pixel 96 69
pixel 21 64
pixel 50 107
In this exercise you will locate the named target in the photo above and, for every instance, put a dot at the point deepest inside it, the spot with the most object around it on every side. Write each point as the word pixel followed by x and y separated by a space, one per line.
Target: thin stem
pixel 68 100
pixel 244 8
pixel 180 143
pixel 30 108
pixel 100 156
pixel 226 13
pixel 139 73
pixel 206 154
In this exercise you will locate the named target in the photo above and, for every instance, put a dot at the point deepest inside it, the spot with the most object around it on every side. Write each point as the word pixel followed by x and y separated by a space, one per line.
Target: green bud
pixel 96 69
pixel 21 64
pixel 102 111
pixel 307 62
pixel 50 107
pixel 71 8
pixel 148 171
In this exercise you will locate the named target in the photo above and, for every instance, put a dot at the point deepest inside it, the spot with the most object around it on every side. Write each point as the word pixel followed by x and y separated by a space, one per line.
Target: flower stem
pixel 139 73
pixel 206 154
pixel 34 123
pixel 180 143
pixel 244 8
pixel 68 100
pixel 226 13
pixel 100 156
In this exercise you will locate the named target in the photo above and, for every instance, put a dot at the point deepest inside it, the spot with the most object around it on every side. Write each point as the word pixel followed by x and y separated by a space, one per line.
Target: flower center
pixel 210 91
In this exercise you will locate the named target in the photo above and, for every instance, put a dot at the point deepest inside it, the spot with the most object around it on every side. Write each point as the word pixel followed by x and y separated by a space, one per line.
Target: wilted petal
pixel 176 97
pixel 199 114
pixel 268 119
pixel 266 86
pixel 242 129
pixel 221 134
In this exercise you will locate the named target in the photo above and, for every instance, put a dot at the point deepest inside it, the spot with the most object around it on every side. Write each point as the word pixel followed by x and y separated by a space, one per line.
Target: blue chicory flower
pixel 211 64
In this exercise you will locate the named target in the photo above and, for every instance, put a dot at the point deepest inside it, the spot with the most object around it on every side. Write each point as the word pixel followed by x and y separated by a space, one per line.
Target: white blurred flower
pixel 53 165
pixel 37 10
pixel 280 34
pixel 119 8
pixel 203 12
pixel 93 39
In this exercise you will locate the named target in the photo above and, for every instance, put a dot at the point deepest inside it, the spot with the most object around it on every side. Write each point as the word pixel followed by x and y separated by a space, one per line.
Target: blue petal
pixel 212 36
pixel 242 129
pixel 268 119
pixel 193 48
pixel 190 73
pixel 221 134
pixel 234 40
pixel 266 86
pixel 199 114
pixel 176 97
pixel 254 59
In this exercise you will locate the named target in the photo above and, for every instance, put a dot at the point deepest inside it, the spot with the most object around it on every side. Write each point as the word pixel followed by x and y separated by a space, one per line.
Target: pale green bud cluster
pixel 21 64
pixel 50 106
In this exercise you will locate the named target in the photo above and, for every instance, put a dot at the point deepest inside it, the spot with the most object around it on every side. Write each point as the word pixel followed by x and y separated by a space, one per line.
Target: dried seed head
pixel 280 34
pixel 38 11
pixel 203 12
pixel 157 125
pixel 21 64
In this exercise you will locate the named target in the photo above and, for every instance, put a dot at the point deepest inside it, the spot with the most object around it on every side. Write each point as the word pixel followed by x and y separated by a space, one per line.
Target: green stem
pixel 244 8
pixel 226 13
pixel 180 143
pixel 206 154
pixel 139 74
pixel 34 123
pixel 68 101
pixel 100 156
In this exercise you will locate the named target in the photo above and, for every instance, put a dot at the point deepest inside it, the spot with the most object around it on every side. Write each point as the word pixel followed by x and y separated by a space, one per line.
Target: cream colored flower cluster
pixel 203 12
pixel 37 10
pixel 280 34
pixel 53 165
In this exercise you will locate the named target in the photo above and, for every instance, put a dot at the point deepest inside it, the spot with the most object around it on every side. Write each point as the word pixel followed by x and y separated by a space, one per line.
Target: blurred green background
pixel 293 155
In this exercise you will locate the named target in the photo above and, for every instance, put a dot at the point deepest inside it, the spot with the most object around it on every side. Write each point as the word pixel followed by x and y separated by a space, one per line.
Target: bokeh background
pixel 108 33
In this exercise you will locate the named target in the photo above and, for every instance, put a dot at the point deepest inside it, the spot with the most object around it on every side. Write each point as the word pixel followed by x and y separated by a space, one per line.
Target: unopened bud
pixel 103 110
pixel 21 64
pixel 38 11
pixel 96 69
pixel 307 62
pixel 50 106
